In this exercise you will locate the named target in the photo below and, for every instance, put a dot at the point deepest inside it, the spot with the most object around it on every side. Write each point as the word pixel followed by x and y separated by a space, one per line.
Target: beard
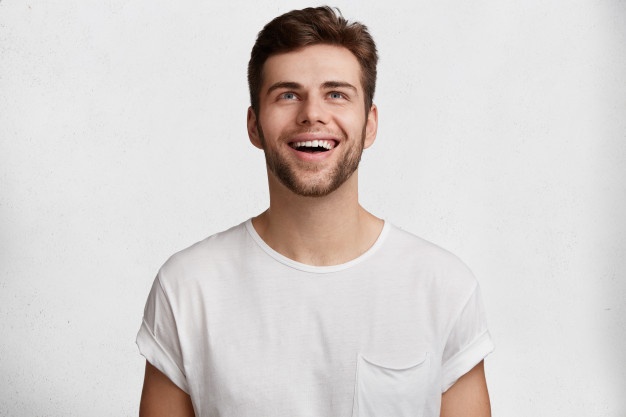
pixel 324 183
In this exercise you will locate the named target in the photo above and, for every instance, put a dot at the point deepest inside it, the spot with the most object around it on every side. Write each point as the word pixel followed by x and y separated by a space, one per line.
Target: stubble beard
pixel 320 187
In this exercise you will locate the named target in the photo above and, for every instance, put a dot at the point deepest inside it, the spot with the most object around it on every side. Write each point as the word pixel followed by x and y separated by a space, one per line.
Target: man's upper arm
pixel 468 397
pixel 160 397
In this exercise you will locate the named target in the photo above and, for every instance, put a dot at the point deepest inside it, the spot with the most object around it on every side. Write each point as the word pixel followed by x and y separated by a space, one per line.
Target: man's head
pixel 313 26
pixel 312 78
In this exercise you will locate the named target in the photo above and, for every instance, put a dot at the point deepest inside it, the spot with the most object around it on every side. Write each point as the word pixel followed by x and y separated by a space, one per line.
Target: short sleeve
pixel 158 338
pixel 468 342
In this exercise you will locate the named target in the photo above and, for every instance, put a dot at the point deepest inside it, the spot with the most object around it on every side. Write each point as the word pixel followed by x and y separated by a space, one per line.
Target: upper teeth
pixel 328 144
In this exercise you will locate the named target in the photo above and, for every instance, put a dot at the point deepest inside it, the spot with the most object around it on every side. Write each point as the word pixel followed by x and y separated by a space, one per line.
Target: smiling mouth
pixel 314 146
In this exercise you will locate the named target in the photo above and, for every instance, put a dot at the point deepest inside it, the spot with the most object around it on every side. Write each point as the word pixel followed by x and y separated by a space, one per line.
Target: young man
pixel 315 307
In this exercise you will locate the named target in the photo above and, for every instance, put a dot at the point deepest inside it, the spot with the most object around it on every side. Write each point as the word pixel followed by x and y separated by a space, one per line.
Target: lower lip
pixel 312 156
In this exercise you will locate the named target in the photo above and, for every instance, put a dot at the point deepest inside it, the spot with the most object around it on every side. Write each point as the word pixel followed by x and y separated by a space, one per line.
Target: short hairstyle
pixel 311 26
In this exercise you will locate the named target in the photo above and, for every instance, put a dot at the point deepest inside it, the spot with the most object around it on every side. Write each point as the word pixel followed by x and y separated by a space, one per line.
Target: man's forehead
pixel 315 64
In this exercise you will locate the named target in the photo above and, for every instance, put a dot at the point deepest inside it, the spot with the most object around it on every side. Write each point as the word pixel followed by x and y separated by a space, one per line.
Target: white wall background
pixel 122 140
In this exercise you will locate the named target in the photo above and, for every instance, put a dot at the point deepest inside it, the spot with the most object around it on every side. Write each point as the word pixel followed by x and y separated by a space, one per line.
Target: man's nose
pixel 313 111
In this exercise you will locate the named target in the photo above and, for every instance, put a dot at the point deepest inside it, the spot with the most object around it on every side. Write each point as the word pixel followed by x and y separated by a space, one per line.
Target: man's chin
pixel 314 180
pixel 310 190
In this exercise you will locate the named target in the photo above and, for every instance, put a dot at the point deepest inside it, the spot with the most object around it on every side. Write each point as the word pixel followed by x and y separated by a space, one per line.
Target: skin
pixel 468 397
pixel 311 219
pixel 326 230
pixel 160 397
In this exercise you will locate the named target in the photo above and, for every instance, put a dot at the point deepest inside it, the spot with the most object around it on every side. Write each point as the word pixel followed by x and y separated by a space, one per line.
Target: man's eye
pixel 336 95
pixel 288 96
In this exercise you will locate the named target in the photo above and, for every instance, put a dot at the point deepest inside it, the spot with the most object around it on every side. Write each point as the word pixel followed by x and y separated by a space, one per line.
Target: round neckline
pixel 312 268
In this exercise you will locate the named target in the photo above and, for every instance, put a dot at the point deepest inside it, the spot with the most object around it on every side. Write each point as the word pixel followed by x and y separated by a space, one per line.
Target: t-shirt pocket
pixel 381 391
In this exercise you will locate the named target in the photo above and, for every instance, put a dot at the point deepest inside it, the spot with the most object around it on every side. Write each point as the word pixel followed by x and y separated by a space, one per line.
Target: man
pixel 315 307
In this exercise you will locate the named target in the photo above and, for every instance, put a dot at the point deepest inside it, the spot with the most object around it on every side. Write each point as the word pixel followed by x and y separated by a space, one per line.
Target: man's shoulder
pixel 409 243
pixel 428 257
pixel 215 249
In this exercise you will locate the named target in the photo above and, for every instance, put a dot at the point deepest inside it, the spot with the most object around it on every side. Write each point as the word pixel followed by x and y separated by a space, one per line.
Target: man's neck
pixel 318 231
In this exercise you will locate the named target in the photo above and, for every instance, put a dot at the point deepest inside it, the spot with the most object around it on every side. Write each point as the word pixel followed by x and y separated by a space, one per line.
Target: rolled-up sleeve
pixel 158 339
pixel 468 342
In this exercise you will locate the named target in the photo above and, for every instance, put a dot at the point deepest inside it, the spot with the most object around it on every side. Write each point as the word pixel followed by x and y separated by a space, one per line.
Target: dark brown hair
pixel 320 25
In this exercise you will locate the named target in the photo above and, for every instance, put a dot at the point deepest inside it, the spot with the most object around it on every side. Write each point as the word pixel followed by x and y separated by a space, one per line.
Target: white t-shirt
pixel 247 332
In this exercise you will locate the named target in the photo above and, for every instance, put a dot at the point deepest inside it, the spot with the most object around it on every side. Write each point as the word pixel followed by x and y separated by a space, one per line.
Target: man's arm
pixel 468 397
pixel 162 398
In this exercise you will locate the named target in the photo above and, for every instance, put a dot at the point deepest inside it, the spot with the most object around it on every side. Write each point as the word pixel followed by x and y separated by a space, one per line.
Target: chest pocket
pixel 390 392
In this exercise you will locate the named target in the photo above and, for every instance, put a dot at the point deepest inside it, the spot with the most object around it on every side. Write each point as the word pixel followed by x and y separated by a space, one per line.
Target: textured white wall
pixel 122 140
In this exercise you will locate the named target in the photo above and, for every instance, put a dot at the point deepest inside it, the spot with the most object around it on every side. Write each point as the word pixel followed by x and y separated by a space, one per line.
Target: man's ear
pixel 253 129
pixel 371 126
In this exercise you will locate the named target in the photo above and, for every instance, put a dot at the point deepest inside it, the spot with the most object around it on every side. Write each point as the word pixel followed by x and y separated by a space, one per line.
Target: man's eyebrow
pixel 290 85
pixel 339 84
